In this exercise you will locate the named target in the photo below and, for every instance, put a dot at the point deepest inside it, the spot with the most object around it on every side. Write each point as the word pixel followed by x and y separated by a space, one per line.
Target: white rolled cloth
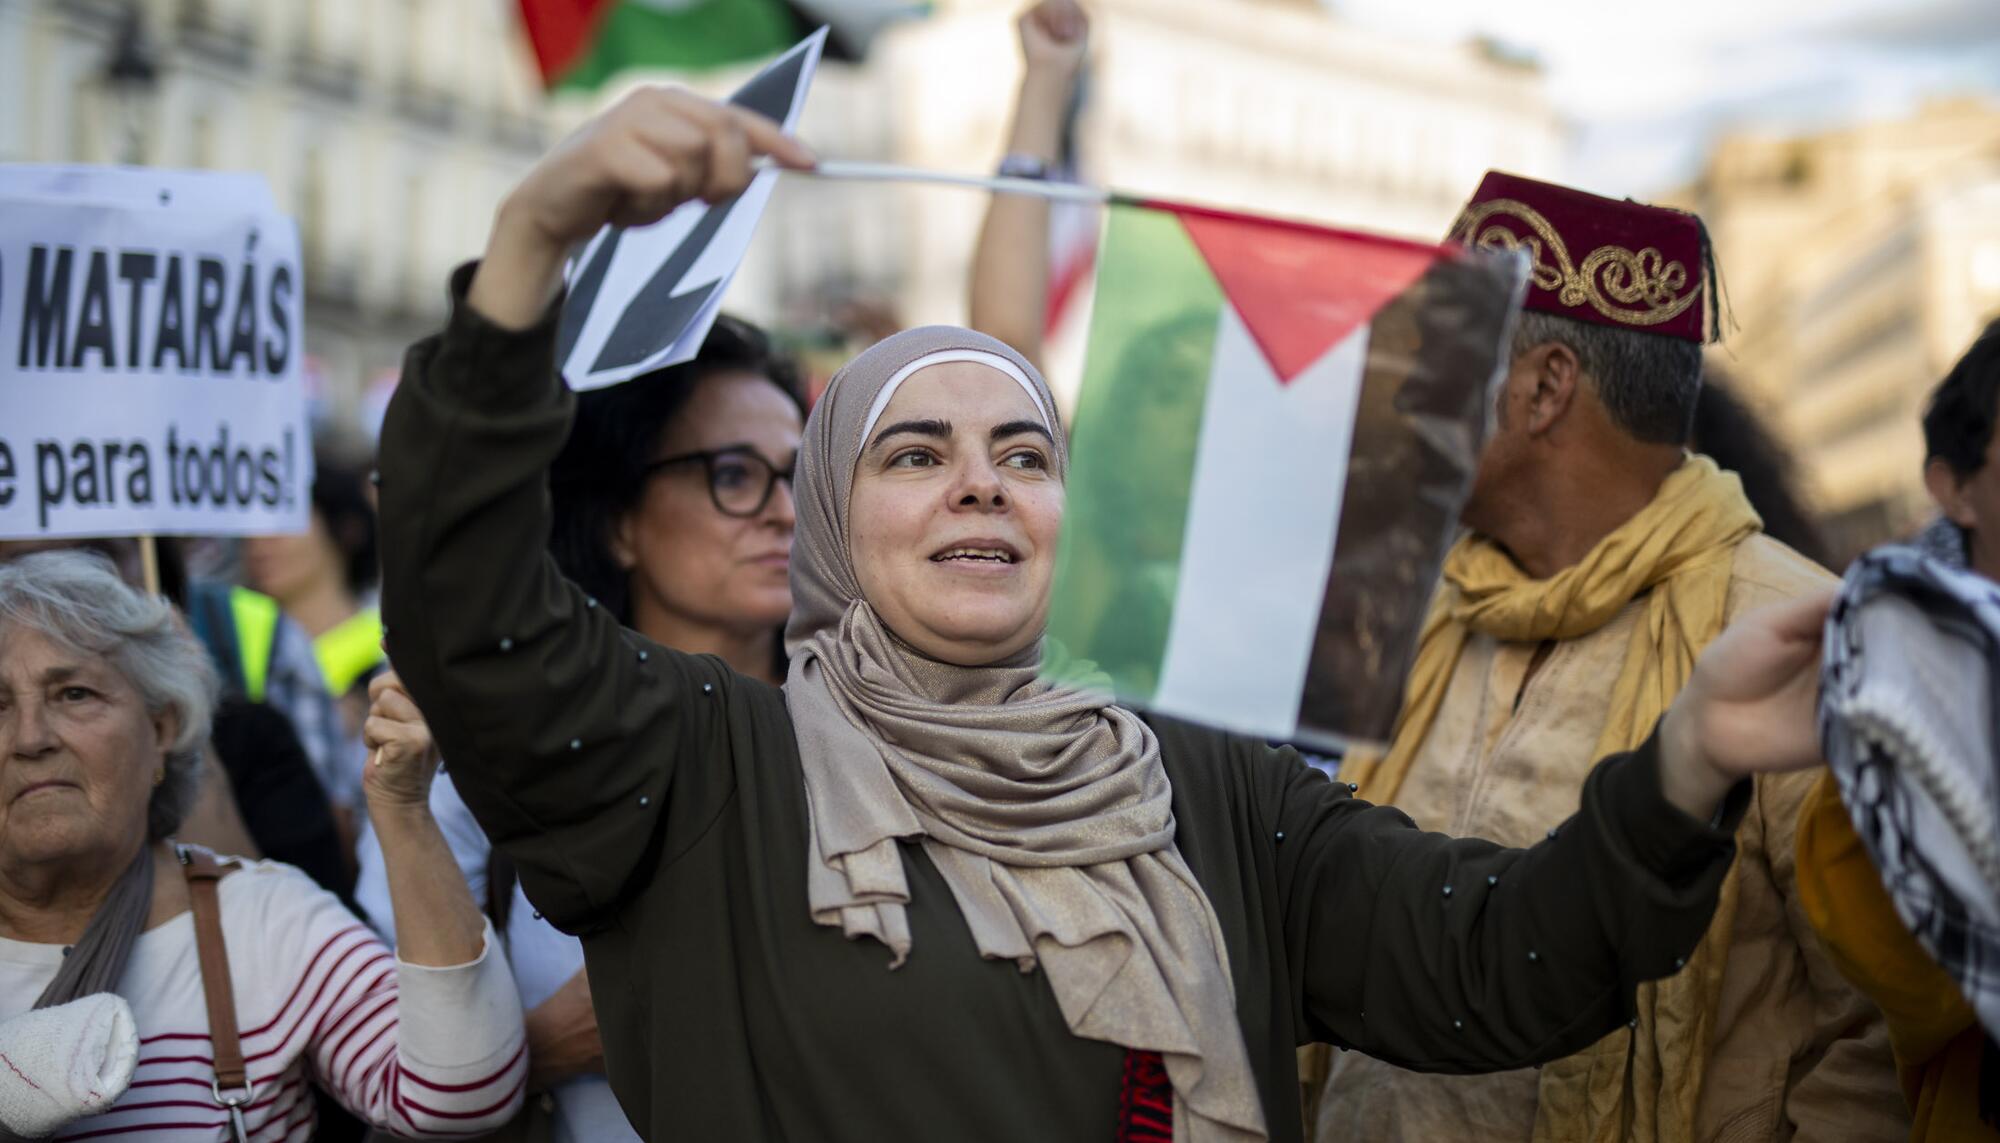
pixel 61 1064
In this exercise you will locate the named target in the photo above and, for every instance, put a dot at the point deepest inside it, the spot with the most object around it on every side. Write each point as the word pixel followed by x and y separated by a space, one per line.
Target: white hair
pixel 76 599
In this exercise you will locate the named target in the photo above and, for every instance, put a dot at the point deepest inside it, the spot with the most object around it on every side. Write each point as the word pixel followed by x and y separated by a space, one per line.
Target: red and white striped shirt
pixel 422 1052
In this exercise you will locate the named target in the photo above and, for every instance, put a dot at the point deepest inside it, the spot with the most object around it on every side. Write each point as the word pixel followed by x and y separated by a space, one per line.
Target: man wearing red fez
pixel 1600 557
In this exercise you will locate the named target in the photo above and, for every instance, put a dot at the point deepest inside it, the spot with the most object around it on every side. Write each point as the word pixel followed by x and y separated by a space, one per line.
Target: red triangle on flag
pixel 1301 289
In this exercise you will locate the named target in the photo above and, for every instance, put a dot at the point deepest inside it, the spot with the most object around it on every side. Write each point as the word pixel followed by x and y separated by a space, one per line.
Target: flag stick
pixel 847 170
pixel 149 563
pixel 852 170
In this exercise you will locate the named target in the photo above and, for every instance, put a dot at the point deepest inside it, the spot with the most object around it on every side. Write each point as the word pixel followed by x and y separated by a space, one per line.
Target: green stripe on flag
pixel 1138 421
pixel 680 37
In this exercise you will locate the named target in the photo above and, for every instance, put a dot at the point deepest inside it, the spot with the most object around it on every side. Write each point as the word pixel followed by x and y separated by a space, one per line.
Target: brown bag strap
pixel 203 872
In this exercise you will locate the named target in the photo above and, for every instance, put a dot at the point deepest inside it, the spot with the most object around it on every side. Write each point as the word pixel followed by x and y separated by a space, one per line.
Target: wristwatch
pixel 1024 166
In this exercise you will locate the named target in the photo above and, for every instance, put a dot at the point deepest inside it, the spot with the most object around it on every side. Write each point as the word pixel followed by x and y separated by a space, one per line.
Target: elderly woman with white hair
pixel 152 990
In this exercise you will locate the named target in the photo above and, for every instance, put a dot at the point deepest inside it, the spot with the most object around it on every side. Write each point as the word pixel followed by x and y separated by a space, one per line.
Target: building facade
pixel 1266 105
pixel 1274 106
pixel 391 128
pixel 1860 263
pixel 388 128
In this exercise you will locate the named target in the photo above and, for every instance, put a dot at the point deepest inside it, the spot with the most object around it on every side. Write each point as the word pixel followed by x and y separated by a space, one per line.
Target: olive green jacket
pixel 653 803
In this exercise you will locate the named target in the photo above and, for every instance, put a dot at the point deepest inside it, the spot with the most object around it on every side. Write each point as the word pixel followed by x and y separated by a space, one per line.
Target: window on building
pixel 1798 168
pixel 330 30
pixel 85 105
pixel 312 207
pixel 411 210
pixel 203 146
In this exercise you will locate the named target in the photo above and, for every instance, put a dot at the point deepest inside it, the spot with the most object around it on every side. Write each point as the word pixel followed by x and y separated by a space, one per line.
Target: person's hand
pixel 402 758
pixel 1751 706
pixel 562 1035
pixel 632 165
pixel 650 152
pixel 1055 38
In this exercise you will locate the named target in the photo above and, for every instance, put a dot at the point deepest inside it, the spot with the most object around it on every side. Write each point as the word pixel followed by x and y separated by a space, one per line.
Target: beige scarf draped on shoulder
pixel 1639 1085
pixel 1045 808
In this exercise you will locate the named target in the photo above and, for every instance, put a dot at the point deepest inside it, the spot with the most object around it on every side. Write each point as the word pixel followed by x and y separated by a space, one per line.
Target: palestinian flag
pixel 1276 429
pixel 581 44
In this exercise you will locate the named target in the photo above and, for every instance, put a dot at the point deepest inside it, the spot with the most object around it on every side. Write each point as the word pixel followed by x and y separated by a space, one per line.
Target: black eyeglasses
pixel 739 480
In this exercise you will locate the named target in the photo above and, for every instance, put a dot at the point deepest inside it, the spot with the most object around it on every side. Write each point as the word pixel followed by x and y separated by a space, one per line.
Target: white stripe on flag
pixel 1269 471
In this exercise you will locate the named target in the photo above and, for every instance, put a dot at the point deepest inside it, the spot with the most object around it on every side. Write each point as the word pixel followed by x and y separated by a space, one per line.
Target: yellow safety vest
pixel 255 617
pixel 349 650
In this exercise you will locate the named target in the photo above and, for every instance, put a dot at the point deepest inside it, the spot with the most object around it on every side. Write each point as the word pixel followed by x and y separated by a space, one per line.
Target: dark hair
pixel 1730 433
pixel 1647 381
pixel 599 475
pixel 1958 424
pixel 340 496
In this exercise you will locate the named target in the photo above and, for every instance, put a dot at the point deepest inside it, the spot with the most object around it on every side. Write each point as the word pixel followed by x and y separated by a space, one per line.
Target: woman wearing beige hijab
pixel 915 893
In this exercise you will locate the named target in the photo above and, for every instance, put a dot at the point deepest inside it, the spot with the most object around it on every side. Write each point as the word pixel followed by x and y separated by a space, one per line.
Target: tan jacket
pixel 1798 1054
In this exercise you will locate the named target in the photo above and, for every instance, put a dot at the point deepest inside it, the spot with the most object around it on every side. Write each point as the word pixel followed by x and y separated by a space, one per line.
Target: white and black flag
pixel 642 299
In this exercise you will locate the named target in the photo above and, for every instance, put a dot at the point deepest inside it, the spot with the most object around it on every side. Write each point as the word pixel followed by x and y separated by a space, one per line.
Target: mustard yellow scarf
pixel 1638 1085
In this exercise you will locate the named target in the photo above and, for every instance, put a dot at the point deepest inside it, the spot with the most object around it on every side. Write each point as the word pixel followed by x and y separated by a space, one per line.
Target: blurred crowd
pixel 404 965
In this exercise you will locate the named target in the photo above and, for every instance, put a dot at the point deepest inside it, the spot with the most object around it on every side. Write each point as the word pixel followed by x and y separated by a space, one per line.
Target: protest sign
pixel 151 333
pixel 642 299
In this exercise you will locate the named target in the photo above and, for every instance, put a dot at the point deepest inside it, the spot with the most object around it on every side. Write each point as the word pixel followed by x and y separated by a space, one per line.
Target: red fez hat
pixel 1600 260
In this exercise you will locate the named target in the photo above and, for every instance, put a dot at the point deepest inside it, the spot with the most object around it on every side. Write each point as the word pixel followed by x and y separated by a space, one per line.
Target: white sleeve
pixel 413 1050
pixel 469 848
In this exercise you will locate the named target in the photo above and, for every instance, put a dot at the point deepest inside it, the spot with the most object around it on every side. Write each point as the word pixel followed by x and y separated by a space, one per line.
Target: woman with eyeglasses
pixel 673 500
pixel 673 508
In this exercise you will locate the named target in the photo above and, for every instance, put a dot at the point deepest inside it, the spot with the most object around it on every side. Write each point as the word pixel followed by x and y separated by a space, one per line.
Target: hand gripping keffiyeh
pixel 1678 552
pixel 1044 807
pixel 1910 717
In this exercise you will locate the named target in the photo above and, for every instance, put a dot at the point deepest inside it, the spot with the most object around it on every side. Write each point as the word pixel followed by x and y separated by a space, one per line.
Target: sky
pixel 1643 87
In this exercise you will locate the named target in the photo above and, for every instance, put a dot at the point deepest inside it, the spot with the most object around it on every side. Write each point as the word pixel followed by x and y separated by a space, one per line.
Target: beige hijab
pixel 1044 807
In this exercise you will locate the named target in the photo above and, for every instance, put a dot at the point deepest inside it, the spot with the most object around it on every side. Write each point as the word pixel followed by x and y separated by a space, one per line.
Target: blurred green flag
pixel 581 44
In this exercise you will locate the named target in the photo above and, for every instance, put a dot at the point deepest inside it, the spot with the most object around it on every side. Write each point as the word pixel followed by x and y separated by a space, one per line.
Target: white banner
pixel 151 338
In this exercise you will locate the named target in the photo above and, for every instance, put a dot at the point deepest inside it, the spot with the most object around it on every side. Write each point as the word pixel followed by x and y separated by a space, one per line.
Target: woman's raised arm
pixel 571 738
pixel 1456 955
pixel 1010 266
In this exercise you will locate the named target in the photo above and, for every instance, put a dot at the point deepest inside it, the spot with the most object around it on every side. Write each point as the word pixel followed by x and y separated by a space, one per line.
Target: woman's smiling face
pixel 955 512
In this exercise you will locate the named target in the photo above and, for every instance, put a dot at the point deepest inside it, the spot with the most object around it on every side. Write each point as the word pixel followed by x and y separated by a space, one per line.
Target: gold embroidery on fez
pixel 1612 280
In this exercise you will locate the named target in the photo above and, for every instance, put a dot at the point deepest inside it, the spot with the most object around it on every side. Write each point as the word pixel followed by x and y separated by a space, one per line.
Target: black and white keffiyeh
pixel 1910 718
